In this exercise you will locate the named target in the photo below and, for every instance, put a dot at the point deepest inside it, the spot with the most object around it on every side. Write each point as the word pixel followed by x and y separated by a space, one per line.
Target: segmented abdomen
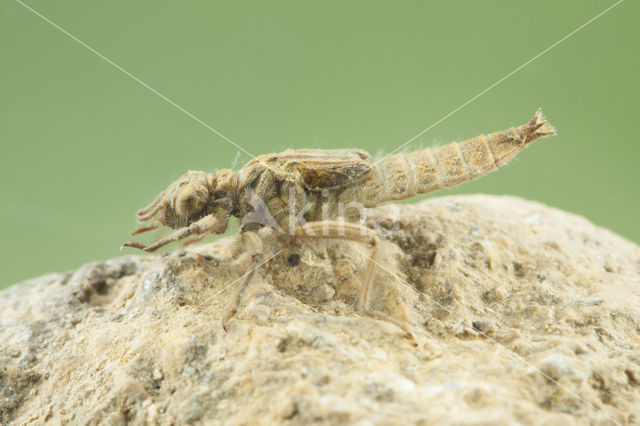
pixel 403 176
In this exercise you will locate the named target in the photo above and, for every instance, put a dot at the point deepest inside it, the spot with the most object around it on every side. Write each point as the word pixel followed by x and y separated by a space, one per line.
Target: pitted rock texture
pixel 521 314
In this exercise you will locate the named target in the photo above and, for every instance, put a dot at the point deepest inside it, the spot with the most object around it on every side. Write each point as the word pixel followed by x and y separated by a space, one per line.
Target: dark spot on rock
pixel 293 344
pixel 483 326
pixel 283 344
pixel 101 287
pixel 631 377
pixel 128 414
pixel 294 412
pixel 519 270
pixel 195 352
pixel 424 260
pixel 293 259
pixel 380 392
pixel 324 380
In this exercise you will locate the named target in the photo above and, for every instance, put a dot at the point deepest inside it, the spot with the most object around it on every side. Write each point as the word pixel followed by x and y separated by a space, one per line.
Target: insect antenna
pixel 152 205
pixel 144 229
pixel 144 217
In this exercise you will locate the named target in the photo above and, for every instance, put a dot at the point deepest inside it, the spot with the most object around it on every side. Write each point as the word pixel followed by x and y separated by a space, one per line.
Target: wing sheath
pixel 322 169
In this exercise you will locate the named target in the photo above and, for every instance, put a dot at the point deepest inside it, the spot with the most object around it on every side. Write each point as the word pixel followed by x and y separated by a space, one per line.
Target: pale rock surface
pixel 522 314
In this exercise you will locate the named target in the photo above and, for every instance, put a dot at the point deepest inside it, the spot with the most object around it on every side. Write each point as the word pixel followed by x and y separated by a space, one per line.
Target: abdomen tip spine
pixel 539 126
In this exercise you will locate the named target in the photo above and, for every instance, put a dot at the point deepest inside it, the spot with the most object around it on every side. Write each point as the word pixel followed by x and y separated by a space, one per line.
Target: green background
pixel 83 146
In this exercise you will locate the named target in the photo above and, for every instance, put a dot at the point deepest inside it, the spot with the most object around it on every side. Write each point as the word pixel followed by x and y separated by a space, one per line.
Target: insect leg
pixel 146 229
pixel 194 240
pixel 204 225
pixel 253 244
pixel 144 217
pixel 352 231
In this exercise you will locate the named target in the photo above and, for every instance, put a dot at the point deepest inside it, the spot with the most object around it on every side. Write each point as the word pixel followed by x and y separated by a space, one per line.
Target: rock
pixel 521 314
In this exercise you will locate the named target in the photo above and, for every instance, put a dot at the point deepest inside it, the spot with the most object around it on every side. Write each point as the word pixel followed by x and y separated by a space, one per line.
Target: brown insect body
pixel 296 180
pixel 315 185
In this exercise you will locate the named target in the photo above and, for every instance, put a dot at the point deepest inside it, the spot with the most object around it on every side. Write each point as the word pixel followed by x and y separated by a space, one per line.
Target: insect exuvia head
pixel 186 200
pixel 192 194
pixel 199 194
